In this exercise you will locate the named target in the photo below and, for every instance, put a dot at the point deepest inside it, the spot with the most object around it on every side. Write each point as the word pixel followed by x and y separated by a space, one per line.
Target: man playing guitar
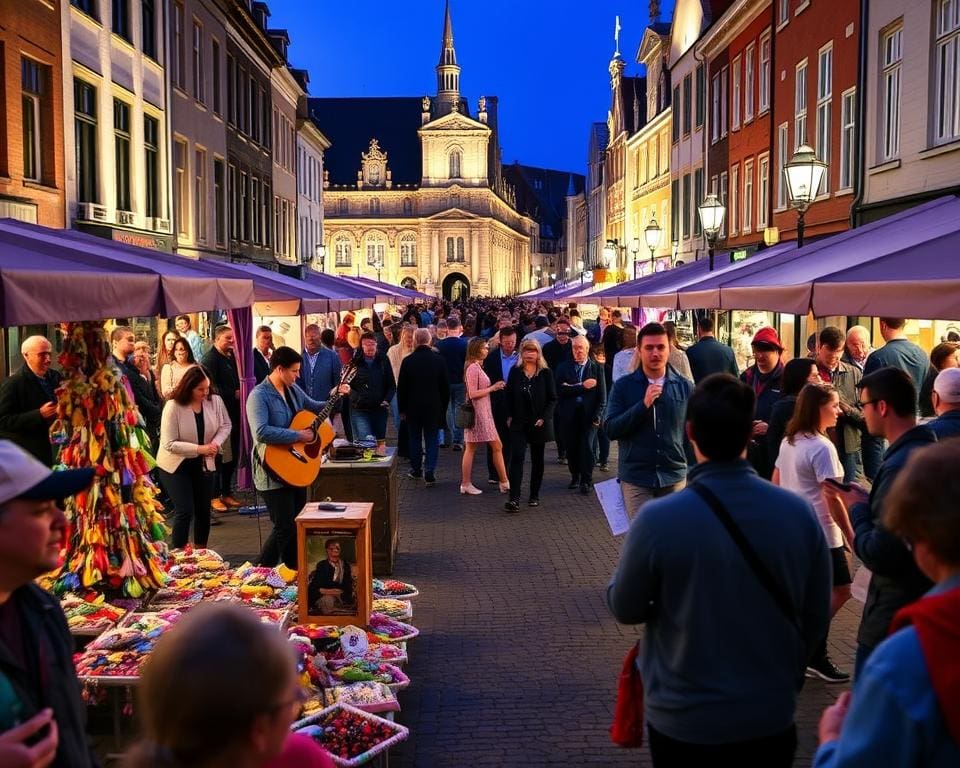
pixel 271 407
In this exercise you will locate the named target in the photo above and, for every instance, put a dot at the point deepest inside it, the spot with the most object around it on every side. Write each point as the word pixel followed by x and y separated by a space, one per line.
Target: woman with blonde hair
pixel 221 689
pixel 484 429
pixel 531 398
pixel 396 355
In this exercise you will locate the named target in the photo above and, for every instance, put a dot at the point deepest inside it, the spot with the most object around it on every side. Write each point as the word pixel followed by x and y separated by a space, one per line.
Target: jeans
pixel 635 496
pixel 872 448
pixel 458 393
pixel 602 446
pixel 768 752
pixel 579 437
pixel 852 466
pixel 283 506
pixel 369 423
pixel 418 435
pixel 518 453
pixel 190 489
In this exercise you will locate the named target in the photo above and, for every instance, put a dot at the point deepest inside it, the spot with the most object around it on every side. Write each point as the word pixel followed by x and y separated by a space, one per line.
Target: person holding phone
pixel 807 461
pixel 42 715
pixel 28 401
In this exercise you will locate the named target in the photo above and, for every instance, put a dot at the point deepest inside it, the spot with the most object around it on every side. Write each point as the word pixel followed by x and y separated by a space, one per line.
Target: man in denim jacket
pixel 645 413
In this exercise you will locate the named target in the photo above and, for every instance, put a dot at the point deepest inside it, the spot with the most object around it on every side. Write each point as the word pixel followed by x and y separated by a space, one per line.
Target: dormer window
pixel 374 162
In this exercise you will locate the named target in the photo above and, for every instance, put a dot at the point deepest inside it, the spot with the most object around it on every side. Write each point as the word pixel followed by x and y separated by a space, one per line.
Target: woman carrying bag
pixel 194 428
pixel 531 398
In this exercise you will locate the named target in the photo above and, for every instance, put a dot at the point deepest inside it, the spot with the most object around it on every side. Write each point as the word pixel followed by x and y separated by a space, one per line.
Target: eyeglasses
pixel 299 698
pixel 865 403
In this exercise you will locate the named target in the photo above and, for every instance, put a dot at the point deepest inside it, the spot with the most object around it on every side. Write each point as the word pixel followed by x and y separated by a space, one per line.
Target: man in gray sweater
pixel 721 661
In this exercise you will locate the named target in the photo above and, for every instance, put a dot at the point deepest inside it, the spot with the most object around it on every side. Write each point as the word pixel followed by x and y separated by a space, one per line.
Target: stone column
pixel 435 261
pixel 474 259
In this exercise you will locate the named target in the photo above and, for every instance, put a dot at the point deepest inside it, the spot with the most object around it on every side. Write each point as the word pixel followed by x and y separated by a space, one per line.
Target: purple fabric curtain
pixel 241 320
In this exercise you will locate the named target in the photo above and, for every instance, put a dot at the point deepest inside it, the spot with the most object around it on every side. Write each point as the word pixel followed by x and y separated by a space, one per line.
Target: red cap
pixel 767 336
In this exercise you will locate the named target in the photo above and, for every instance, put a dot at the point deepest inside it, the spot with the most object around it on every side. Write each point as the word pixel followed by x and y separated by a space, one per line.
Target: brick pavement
pixel 518 656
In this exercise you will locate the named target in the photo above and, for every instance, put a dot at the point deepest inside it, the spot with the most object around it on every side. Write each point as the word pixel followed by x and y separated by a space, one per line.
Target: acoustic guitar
pixel 298 464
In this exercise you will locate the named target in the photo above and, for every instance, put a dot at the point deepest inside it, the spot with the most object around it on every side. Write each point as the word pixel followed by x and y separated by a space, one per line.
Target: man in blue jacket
pixel 645 413
pixel 721 662
pixel 946 404
pixel 708 355
pixel 453 350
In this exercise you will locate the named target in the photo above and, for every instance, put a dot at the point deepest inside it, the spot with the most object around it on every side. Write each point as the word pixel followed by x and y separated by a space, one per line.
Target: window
pixel 724 125
pixel 782 151
pixel 676 122
pixel 947 57
pixel 747 196
pixel 891 55
pixel 342 252
pixel 641 176
pixel 89 7
pixel 182 187
pixel 121 19
pixel 85 124
pixel 675 210
pixel 198 78
pixel 685 211
pixel 407 206
pixel 460 249
pixel 374 207
pixel 723 199
pixel 824 109
pixel 764 73
pixel 233 199
pixel 215 51
pixel 800 106
pixel 734 204
pixel 451 249
pixel 697 199
pixel 701 95
pixel 763 192
pixel 749 65
pixel 715 108
pixel 375 253
pixel 848 137
pixel 265 214
pixel 219 214
pixel 455 158
pixel 231 91
pixel 151 163
pixel 735 106
pixel 343 208
pixel 408 251
pixel 783 12
pixel 179 58
pixel 148 24
pixel 121 144
pixel 200 195
pixel 687 103
pixel 33 83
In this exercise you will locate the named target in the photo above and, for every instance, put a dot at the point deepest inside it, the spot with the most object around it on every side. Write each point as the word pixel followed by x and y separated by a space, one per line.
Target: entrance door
pixel 456 287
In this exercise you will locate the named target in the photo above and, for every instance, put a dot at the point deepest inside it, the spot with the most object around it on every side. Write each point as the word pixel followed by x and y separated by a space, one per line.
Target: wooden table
pixel 372 481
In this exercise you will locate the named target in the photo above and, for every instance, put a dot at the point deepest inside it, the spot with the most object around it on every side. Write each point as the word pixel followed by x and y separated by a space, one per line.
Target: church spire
pixel 448 73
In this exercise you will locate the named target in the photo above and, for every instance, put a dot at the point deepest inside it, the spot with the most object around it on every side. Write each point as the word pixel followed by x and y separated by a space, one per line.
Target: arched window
pixel 409 283
pixel 344 207
pixel 376 249
pixel 451 249
pixel 460 253
pixel 455 157
pixel 408 250
pixel 342 250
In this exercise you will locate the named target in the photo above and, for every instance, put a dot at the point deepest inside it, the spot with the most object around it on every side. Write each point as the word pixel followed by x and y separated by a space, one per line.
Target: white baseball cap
pixel 947 385
pixel 23 477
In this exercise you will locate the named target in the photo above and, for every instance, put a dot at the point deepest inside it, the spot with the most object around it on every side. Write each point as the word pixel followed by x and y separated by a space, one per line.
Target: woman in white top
pixel 172 372
pixel 808 460
pixel 194 428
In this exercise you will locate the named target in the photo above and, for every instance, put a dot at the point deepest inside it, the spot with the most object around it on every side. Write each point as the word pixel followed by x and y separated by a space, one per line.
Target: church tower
pixel 448 73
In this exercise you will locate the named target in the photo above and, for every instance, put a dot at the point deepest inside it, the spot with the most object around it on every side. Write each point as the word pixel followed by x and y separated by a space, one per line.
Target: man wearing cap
pixel 28 402
pixel 35 643
pixel 764 378
pixel 946 404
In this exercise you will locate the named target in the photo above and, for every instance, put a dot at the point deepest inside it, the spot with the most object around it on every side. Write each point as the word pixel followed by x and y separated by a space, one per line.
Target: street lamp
pixel 711 212
pixel 553 278
pixel 652 235
pixel 321 253
pixel 580 266
pixel 803 175
pixel 634 250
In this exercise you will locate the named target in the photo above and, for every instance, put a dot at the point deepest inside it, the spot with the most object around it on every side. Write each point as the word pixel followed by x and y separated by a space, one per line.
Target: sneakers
pixel 827 671
pixel 429 479
pixel 512 507
pixel 415 475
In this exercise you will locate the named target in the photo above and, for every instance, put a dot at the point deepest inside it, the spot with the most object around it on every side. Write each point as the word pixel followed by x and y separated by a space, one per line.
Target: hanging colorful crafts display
pixel 116 539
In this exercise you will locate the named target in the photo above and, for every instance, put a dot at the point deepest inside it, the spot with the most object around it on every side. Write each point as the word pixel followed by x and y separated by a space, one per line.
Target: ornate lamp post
pixel 803 175
pixel 711 212
pixel 320 251
pixel 652 234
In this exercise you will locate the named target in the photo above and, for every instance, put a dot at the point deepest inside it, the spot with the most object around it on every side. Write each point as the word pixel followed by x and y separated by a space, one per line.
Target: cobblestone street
pixel 518 657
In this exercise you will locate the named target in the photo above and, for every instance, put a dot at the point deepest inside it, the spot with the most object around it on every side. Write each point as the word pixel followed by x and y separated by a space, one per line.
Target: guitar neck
pixel 332 401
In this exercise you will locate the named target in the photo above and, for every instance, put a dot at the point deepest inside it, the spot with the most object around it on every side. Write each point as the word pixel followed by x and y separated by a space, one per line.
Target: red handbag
pixel 627 727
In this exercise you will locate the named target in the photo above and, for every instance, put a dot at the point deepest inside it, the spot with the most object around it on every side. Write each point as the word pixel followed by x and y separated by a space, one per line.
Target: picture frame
pixel 335 571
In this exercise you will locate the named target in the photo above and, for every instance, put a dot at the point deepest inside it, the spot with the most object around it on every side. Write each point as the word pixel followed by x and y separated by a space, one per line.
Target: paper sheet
pixel 608 492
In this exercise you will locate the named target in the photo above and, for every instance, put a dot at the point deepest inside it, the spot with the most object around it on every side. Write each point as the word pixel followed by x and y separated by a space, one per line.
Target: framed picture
pixel 335 572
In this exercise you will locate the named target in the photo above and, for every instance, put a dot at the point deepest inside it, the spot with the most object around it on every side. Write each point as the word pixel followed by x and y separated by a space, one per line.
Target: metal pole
pixel 800 229
pixel 710 251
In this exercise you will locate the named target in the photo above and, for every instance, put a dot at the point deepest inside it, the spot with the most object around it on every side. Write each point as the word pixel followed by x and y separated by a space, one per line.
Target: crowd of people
pixel 747 490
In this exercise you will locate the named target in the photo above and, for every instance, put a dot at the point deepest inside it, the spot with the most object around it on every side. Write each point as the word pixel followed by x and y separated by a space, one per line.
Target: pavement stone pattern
pixel 518 657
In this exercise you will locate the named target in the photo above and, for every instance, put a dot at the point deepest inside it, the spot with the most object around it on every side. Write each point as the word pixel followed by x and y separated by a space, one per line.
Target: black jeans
pixel 190 489
pixel 578 437
pixel 225 468
pixel 283 506
pixel 769 752
pixel 518 453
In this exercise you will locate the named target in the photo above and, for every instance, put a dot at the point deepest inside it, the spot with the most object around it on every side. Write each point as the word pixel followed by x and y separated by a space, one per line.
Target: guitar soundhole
pixel 312 449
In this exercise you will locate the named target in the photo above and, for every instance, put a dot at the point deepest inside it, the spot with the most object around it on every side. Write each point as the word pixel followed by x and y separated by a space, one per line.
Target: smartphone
pixel 326 506
pixel 838 484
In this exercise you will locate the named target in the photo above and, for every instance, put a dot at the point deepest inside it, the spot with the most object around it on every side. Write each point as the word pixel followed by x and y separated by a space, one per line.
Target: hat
pixel 767 337
pixel 947 385
pixel 23 477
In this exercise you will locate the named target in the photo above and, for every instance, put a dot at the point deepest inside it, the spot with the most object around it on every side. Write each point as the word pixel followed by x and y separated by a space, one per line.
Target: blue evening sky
pixel 547 61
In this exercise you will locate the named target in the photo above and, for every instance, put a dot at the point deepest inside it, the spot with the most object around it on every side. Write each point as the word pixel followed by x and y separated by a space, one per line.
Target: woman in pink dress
pixel 484 430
